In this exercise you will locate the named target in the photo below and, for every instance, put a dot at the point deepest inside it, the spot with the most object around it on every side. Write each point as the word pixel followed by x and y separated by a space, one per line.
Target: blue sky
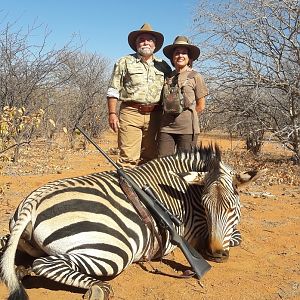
pixel 102 25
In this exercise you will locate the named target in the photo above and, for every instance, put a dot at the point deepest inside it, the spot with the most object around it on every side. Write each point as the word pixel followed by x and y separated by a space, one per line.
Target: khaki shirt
pixel 138 81
pixel 188 121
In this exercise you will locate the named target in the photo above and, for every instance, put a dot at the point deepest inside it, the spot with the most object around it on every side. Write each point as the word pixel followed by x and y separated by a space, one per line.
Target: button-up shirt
pixel 135 80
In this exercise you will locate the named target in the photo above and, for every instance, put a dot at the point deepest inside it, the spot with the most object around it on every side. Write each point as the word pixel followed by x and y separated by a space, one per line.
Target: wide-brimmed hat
pixel 146 28
pixel 182 41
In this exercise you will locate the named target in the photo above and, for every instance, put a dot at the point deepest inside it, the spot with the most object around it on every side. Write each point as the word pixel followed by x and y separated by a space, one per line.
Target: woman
pixel 183 99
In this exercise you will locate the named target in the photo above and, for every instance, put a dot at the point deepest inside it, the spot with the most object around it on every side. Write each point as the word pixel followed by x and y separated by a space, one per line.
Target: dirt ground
pixel 265 266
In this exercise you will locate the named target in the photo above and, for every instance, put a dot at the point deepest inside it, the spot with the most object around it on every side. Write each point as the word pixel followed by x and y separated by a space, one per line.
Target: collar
pixel 138 57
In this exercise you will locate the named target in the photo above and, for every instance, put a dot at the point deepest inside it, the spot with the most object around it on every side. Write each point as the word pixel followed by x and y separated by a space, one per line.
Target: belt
pixel 143 108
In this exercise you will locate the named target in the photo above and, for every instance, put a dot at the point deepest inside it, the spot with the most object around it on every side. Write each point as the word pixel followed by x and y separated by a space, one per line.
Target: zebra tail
pixel 8 273
pixel 19 294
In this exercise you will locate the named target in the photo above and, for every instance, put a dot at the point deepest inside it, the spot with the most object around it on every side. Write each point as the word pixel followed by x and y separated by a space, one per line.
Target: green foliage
pixel 17 127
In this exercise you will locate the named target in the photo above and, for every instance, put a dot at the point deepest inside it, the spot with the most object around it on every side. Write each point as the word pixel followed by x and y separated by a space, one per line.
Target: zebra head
pixel 221 202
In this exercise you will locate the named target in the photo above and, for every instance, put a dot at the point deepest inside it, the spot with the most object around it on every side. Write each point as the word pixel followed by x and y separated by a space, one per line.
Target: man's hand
pixel 114 122
pixel 113 119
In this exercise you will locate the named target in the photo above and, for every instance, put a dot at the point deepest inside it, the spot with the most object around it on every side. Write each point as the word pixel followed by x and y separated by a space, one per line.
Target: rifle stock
pixel 197 262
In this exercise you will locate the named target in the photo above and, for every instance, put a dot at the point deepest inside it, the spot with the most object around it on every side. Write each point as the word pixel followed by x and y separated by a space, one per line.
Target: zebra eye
pixel 231 208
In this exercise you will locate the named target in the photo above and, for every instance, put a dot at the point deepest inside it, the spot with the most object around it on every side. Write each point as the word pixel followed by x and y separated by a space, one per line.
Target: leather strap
pixel 145 217
pixel 149 222
pixel 143 108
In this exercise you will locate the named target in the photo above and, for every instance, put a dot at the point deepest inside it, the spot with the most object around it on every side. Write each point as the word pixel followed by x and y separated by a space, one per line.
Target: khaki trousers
pixel 137 136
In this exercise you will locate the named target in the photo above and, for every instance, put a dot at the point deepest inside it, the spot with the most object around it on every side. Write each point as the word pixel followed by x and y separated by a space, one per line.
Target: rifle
pixel 161 214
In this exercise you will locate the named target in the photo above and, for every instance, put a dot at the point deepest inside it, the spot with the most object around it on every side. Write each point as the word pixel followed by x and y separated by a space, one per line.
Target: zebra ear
pixel 247 177
pixel 191 177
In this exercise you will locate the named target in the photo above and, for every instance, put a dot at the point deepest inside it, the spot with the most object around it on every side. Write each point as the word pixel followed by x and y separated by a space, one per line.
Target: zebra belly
pixel 89 226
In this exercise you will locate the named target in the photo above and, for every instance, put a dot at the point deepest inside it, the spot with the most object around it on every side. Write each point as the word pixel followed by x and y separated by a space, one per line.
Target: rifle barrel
pixel 98 148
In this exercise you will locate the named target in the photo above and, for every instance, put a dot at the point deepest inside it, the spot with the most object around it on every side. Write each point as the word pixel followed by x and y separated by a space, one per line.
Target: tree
pixel 27 69
pixel 251 56
pixel 82 99
pixel 67 85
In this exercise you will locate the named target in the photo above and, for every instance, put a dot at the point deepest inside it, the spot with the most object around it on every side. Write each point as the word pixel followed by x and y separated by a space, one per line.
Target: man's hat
pixel 182 41
pixel 146 28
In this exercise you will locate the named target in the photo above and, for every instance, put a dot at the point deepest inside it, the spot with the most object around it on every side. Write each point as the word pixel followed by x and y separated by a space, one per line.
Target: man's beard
pixel 145 51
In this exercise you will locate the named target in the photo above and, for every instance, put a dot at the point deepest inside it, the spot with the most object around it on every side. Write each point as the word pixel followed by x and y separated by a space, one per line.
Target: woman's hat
pixel 146 28
pixel 182 41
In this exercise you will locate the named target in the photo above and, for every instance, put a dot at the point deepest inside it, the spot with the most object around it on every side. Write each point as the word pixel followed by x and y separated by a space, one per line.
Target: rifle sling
pixel 147 218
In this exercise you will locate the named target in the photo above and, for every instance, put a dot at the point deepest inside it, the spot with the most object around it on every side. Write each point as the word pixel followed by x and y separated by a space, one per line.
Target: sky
pixel 103 26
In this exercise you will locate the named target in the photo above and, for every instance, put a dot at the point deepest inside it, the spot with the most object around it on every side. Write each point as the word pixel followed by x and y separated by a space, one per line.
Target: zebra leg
pixel 66 269
pixel 236 238
pixel 98 291
pixel 21 271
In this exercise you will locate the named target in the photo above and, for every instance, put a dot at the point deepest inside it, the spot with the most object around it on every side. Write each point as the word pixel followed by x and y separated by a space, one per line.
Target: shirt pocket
pixel 134 77
pixel 159 77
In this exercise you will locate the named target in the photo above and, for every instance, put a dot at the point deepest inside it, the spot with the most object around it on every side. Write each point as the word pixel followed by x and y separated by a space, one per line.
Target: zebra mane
pixel 199 158
pixel 206 153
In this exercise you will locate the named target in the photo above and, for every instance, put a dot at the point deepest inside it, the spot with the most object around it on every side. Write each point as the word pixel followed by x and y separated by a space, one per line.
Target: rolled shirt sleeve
pixel 201 89
pixel 113 93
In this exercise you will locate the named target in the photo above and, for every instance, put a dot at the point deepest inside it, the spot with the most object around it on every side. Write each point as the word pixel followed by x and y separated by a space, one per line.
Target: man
pixel 137 82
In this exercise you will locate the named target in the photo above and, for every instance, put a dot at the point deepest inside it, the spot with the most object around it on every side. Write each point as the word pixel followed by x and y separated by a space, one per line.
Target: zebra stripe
pixel 85 227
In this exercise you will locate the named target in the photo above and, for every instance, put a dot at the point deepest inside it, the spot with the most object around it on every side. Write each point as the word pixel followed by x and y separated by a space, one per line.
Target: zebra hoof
pixel 219 256
pixel 21 272
pixel 98 291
